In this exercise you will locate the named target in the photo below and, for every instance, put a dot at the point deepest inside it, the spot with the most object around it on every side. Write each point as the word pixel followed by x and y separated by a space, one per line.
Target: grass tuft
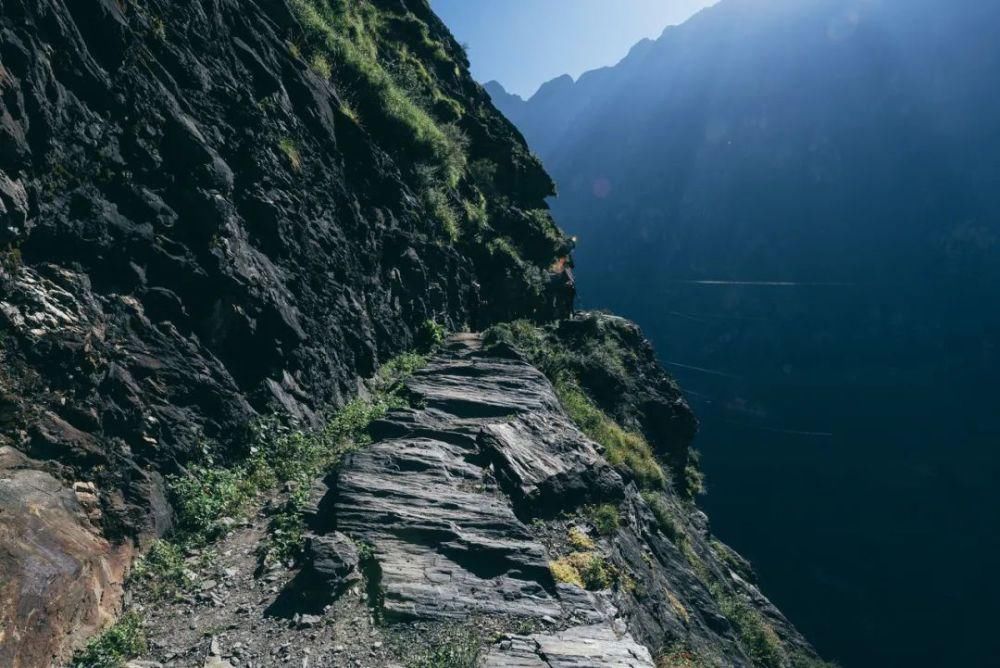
pixel 587 570
pixel 291 153
pixel 115 646
pixel 606 518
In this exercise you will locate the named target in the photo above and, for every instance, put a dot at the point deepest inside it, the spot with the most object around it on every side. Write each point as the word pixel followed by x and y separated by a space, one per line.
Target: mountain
pixel 798 202
pixel 290 370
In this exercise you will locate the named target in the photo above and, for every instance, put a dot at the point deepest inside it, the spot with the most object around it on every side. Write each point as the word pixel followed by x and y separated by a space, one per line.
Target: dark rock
pixel 331 566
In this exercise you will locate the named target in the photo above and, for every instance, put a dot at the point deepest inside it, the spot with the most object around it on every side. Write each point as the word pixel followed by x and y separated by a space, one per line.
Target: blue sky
pixel 524 43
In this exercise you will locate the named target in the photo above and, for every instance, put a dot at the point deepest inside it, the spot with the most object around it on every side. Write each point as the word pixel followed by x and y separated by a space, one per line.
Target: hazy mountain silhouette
pixel 800 202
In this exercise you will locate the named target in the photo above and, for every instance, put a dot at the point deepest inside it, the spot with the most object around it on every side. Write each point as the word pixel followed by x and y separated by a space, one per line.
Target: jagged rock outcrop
pixel 452 505
pixel 58 573
pixel 218 210
pixel 197 227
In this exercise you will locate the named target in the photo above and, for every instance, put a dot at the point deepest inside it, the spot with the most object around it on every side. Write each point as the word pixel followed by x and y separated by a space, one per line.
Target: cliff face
pixel 215 211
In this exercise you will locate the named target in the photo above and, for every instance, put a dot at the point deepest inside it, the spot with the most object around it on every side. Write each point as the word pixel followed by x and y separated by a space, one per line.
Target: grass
pixel 115 646
pixel 350 34
pixel 623 449
pixel 664 517
pixel 211 494
pixel 579 540
pixel 291 153
pixel 461 650
pixel 162 572
pixel 587 570
pixel 606 518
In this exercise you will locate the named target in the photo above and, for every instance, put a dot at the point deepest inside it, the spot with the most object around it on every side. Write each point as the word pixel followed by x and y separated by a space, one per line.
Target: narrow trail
pixel 443 503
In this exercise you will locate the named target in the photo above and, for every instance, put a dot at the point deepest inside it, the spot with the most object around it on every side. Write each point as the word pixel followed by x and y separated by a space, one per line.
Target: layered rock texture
pixel 219 210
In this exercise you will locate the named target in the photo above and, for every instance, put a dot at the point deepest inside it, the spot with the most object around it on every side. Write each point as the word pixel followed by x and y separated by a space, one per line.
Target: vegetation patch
pixel 212 496
pixel 291 152
pixel 606 518
pixel 461 649
pixel 679 655
pixel 118 644
pixel 162 572
pixel 580 540
pixel 624 449
pixel 665 520
pixel 757 637
pixel 587 570
pixel 356 36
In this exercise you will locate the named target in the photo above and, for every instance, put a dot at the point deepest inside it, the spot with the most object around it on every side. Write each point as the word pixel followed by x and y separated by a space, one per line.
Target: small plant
pixel 118 644
pixel 587 570
pixel 579 540
pixel 162 571
pixel 321 66
pixel 431 335
pixel 802 660
pixel 207 495
pixel 694 478
pixel 680 656
pixel 757 637
pixel 606 518
pixel 461 650
pixel 664 517
pixel 10 260
pixel 563 571
pixel 159 28
pixel 291 152
pixel 437 203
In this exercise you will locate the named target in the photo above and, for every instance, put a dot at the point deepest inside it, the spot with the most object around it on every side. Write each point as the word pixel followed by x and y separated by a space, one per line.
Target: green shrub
pixel 461 650
pixel 664 517
pixel 162 572
pixel 579 540
pixel 111 649
pixel 606 518
pixel 757 637
pixel 431 335
pixel 206 495
pixel 587 570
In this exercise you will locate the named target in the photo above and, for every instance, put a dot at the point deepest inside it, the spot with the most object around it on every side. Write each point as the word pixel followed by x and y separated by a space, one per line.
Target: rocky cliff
pixel 220 215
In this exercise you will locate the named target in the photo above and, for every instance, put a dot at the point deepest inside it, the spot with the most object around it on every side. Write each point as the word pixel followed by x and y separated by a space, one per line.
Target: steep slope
pixel 219 217
pixel 200 228
pixel 798 203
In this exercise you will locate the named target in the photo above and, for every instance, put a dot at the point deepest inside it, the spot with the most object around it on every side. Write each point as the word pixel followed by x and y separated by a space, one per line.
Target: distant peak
pixel 495 86
pixel 558 84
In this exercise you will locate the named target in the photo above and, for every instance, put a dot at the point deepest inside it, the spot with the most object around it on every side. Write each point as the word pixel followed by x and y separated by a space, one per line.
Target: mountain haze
pixel 800 203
